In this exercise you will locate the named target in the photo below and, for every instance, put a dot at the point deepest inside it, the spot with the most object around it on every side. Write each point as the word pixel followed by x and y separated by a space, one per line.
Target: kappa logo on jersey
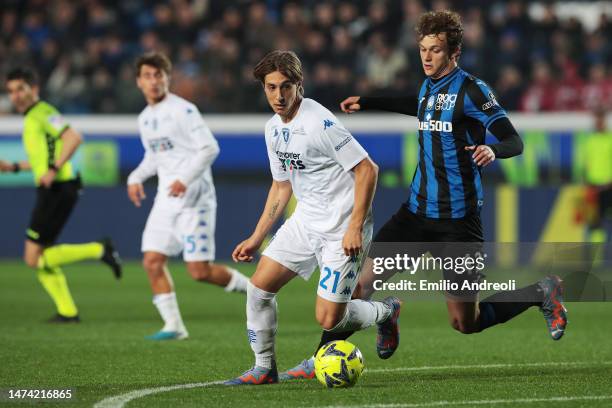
pixel 490 103
pixel 285 133
pixel 446 101
pixel 290 161
pixel 327 124
pixel 430 102
pixel 161 144
pixel 275 134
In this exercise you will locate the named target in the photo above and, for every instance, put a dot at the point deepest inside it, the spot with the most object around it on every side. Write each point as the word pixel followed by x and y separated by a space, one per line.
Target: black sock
pixel 326 337
pixel 501 307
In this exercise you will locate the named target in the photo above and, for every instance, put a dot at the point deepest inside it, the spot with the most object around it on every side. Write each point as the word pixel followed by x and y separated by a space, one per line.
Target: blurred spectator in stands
pixel 473 50
pixel 36 31
pixel 510 52
pixel 67 86
pixel 294 24
pixel 411 10
pixel 186 62
pixel 259 30
pixel 597 93
pixel 8 27
pixel 233 24
pixel 343 82
pixel 100 19
pixel 597 50
pixel 371 42
pixel 127 96
pixel 46 60
pixel 20 51
pixel 343 53
pixel 324 19
pixel 383 62
pixel 226 99
pixel 604 27
pixel 321 86
pixel 574 37
pixel 348 17
pixel 102 87
pixel 149 41
pixel 164 26
pixel 112 53
pixel 543 30
pixel 569 87
pixel 186 23
pixel 379 22
pixel 315 50
pixel 509 88
pixel 541 93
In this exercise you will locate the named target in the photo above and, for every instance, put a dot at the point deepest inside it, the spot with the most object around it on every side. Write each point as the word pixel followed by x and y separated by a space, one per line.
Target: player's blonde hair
pixel 285 62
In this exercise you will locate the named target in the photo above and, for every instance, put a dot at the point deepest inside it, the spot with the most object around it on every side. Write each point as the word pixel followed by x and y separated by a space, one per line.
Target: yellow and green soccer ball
pixel 338 364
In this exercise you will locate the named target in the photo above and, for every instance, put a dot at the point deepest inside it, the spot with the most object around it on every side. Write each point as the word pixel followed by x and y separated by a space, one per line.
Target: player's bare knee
pixel 153 265
pixel 200 271
pixel 31 261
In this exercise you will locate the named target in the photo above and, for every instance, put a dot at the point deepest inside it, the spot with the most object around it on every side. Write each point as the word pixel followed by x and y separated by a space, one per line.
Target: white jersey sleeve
pixel 279 172
pixel 337 142
pixel 145 170
pixel 204 144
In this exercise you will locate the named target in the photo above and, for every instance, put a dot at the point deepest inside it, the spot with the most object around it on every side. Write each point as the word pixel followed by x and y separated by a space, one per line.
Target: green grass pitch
pixel 515 364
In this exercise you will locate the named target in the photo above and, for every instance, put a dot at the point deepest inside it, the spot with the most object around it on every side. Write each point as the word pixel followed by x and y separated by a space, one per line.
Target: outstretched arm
pixel 278 197
pixel 407 105
pixel 14 167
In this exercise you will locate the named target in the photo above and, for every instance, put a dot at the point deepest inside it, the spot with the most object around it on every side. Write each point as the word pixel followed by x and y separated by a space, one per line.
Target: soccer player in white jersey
pixel 179 149
pixel 314 157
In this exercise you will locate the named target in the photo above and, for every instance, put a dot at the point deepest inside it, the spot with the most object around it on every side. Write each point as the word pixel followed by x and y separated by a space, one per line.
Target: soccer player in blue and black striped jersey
pixel 454 111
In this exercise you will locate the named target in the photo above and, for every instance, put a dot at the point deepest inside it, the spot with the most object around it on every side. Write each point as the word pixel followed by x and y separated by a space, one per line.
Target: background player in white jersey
pixel 313 156
pixel 179 149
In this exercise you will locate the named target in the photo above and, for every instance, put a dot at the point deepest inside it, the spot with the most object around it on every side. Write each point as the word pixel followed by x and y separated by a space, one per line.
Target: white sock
pixel 168 309
pixel 261 324
pixel 238 282
pixel 361 314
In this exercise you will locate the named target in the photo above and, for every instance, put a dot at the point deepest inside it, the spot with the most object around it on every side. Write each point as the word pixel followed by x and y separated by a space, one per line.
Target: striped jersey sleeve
pixel 480 103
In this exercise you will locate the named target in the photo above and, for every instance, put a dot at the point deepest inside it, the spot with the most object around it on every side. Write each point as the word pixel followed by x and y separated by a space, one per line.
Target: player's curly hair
pixel 155 59
pixel 437 22
pixel 286 62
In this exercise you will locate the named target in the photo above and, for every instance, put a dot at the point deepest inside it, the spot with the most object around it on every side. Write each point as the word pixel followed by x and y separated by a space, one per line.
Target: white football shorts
pixel 190 230
pixel 301 250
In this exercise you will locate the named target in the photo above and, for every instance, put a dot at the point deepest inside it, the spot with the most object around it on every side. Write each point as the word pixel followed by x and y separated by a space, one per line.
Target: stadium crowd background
pixel 84 51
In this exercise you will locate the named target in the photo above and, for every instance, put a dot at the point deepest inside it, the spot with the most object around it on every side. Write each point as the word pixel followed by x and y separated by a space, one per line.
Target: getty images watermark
pixel 431 271
pixel 460 265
